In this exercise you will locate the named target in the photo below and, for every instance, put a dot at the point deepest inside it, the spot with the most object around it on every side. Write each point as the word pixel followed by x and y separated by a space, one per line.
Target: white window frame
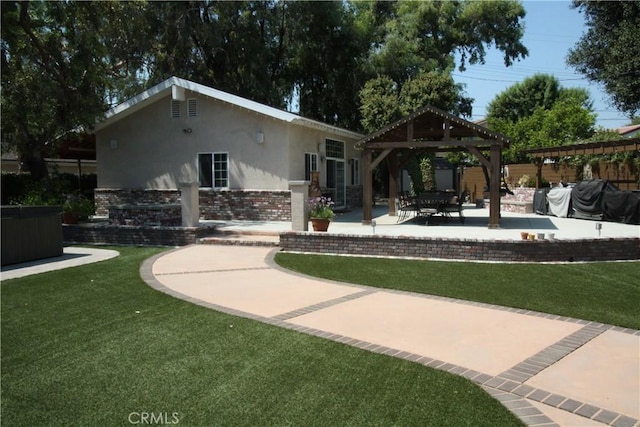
pixel 214 169
pixel 309 159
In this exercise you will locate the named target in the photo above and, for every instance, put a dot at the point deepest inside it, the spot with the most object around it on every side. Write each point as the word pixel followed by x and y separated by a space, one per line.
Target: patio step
pixel 242 238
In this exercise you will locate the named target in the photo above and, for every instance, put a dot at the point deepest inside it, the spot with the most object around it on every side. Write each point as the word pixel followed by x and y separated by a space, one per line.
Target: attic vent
pixel 175 109
pixel 192 107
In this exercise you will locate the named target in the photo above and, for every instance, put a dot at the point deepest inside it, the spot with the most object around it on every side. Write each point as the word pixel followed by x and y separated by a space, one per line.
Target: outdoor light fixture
pixel 260 138
pixel 113 144
pixel 187 130
pixel 599 228
pixel 373 226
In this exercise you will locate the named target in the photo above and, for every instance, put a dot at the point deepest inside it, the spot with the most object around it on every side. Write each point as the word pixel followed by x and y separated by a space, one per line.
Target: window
pixel 175 109
pixel 335 149
pixel 192 107
pixel 355 171
pixel 213 170
pixel 310 165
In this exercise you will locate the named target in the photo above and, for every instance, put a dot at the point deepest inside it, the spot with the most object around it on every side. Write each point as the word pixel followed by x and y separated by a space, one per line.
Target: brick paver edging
pixel 463 249
pixel 507 387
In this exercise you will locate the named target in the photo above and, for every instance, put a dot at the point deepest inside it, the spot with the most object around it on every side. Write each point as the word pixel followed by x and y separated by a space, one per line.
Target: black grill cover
pixel 586 196
pixel 540 201
pixel 621 206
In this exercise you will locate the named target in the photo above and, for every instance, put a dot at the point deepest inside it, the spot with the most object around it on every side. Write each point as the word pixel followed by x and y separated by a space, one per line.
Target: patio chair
pixel 406 206
pixel 453 205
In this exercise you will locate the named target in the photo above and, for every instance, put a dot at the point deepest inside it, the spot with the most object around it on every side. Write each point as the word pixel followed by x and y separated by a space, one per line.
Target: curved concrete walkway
pixel 548 370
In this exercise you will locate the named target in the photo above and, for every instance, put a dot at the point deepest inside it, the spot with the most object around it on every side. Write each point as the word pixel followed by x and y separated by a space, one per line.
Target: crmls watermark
pixel 154 418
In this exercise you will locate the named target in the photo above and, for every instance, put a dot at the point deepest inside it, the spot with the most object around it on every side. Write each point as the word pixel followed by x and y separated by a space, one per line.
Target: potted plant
pixel 321 212
pixel 76 208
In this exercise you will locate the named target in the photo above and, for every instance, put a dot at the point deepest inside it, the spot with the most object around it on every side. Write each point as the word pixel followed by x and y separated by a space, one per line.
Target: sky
pixel 551 29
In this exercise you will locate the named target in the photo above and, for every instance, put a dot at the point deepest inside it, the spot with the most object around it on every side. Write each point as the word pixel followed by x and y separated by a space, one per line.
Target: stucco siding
pixel 154 151
pixel 147 149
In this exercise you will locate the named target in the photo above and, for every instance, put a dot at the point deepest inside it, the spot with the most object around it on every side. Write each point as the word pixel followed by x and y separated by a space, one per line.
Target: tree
pixel 425 36
pixel 437 89
pixel 609 52
pixel 327 53
pixel 522 99
pixel 538 112
pixel 238 47
pixel 56 70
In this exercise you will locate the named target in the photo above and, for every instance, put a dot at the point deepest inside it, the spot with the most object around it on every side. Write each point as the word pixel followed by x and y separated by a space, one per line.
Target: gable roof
pixel 162 89
pixel 428 124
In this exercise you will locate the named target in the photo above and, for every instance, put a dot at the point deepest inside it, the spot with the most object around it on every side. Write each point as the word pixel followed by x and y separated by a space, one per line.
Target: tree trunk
pixel 32 161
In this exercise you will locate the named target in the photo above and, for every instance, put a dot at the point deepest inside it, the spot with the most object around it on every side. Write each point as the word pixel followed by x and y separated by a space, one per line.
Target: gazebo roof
pixel 430 127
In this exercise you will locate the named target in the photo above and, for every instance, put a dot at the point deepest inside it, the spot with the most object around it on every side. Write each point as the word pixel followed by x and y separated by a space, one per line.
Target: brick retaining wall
pixel 464 249
pixel 133 235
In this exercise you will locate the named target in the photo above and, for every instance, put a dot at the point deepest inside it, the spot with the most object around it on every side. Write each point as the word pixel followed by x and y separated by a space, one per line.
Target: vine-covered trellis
pixel 622 155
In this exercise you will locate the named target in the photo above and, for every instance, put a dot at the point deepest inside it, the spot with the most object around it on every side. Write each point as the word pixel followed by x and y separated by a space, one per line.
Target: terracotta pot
pixel 524 235
pixel 320 224
pixel 69 218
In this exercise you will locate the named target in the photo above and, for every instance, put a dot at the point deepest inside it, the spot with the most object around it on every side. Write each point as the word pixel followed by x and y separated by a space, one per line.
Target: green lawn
pixel 603 292
pixel 94 345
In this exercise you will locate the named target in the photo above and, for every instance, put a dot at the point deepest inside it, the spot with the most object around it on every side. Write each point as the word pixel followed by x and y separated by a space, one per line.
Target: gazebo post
pixel 494 186
pixel 392 163
pixel 367 189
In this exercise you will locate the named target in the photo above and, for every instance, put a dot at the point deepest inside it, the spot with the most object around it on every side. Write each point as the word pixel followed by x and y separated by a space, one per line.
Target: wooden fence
pixel 473 179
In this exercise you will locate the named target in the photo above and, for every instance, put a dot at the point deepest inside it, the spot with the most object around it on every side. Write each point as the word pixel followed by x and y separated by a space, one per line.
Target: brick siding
pixel 133 235
pixel 254 205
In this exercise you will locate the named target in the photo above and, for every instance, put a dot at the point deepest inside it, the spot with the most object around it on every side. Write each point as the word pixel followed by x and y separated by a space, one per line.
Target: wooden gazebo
pixel 432 130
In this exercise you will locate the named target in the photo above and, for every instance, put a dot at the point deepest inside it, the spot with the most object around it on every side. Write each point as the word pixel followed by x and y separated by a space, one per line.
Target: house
pixel 242 154
pixel 74 154
pixel 630 131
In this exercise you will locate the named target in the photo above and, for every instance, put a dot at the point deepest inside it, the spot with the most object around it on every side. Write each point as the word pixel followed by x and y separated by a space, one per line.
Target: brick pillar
pixel 299 205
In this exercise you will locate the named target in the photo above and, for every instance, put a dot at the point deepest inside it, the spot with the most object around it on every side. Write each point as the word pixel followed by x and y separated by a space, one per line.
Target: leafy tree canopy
pixel 65 63
pixel 58 64
pixel 609 52
pixel 538 112
pixel 425 35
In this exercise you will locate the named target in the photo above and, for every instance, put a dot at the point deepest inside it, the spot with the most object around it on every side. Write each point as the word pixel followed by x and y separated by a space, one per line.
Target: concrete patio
pixel 475 226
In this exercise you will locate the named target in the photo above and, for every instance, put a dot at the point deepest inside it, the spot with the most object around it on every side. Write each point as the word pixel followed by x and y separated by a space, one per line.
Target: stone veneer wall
pixel 255 205
pixel 521 201
pixel 464 249
pixel 133 235
pixel 354 196
pixel 105 197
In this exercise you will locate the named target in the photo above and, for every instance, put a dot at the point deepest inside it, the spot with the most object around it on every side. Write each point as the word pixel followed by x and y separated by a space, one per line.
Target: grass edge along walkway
pixel 605 292
pixel 94 345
